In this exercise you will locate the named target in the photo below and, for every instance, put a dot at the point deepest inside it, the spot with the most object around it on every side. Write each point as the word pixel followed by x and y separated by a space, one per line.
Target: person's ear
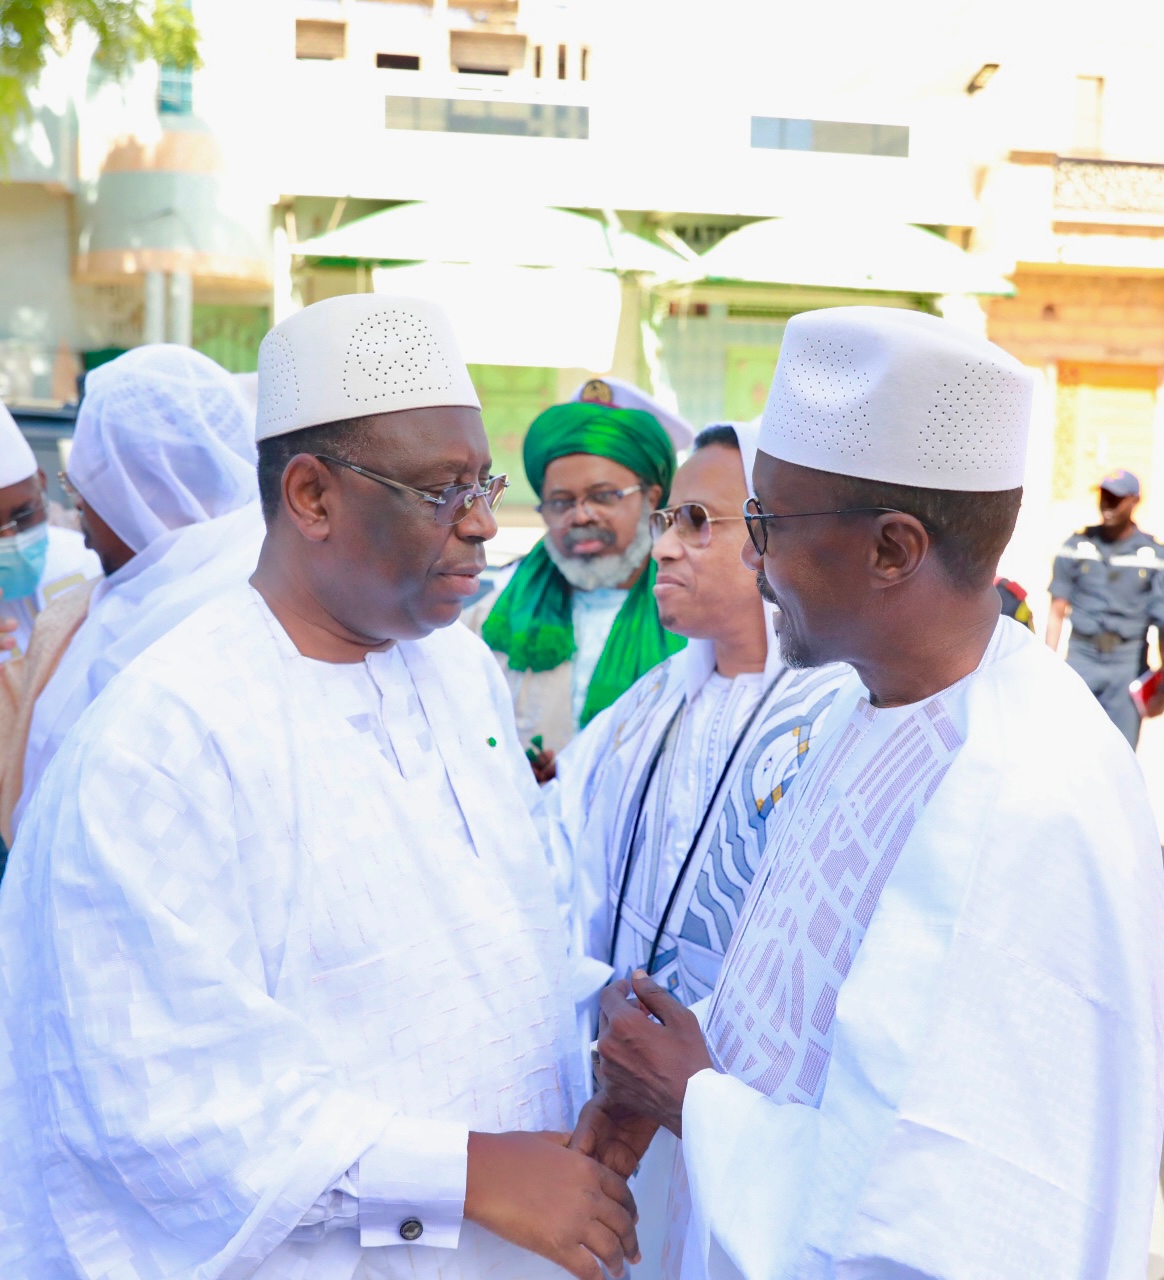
pixel 309 489
pixel 900 546
pixel 653 494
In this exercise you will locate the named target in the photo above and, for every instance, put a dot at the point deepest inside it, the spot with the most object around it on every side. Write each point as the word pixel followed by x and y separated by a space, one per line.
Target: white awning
pixel 850 253
pixel 477 231
pixel 544 317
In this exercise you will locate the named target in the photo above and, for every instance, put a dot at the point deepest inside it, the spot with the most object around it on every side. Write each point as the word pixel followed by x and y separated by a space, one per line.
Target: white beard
pixel 591 573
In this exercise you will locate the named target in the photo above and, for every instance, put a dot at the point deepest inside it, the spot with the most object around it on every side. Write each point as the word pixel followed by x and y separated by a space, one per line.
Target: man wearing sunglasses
pixel 574 624
pixel 662 805
pixel 935 1044
pixel 281 900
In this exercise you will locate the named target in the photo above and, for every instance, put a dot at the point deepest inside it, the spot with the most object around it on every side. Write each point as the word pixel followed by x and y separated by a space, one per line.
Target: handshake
pixel 565 1196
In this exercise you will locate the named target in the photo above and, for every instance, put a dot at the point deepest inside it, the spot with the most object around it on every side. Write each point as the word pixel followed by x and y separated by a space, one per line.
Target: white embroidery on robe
pixel 771 1024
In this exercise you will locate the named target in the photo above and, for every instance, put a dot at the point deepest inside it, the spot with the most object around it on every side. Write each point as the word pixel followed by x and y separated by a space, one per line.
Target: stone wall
pixel 1075 316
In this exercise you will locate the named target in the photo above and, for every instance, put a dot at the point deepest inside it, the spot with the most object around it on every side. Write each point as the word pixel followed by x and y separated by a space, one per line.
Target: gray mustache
pixel 588 533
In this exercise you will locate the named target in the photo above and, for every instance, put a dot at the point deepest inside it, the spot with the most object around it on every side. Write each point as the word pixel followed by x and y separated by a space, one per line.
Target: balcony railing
pixel 1112 190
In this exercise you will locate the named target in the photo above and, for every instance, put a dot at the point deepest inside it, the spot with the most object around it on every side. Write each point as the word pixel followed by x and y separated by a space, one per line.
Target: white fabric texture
pixel 67 564
pixel 986 1101
pixel 163 440
pixel 248 941
pixel 174 576
pixel 355 355
pixel 625 395
pixel 17 460
pixel 593 614
pixel 595 801
pixel 888 394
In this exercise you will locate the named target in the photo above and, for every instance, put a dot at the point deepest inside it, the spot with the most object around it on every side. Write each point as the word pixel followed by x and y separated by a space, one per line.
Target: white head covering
pixel 163 440
pixel 886 394
pixel 358 354
pixel 17 460
pixel 625 395
pixel 700 654
pixel 247 385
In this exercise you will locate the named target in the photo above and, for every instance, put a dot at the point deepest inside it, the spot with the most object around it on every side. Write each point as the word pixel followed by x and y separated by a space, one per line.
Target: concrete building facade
pixel 177 205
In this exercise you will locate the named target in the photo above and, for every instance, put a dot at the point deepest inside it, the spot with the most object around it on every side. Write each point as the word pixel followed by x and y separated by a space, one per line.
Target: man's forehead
pixel 23 491
pixel 585 468
pixel 776 480
pixel 712 469
pixel 454 435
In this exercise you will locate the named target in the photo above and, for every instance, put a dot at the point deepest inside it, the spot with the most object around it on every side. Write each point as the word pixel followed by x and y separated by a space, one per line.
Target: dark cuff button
pixel 411 1229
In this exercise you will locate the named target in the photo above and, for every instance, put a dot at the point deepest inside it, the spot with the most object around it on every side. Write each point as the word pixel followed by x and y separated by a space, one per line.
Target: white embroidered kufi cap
pixel 358 354
pixel 887 394
pixel 17 460
pixel 163 440
pixel 620 394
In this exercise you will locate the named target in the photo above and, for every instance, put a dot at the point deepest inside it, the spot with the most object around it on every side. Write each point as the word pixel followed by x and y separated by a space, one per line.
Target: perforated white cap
pixel 17 461
pixel 886 394
pixel 358 354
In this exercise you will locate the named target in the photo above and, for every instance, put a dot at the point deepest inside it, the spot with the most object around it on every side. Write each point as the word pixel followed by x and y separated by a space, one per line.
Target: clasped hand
pixel 531 1190
pixel 649 1046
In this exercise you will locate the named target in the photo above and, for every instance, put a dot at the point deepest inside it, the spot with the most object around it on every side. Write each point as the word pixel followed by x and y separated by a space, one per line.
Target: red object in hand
pixel 1146 687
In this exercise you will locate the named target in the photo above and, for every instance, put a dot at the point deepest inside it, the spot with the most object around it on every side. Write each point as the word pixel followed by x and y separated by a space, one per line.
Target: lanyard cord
pixel 651 770
pixel 634 830
pixel 723 777
pixel 630 848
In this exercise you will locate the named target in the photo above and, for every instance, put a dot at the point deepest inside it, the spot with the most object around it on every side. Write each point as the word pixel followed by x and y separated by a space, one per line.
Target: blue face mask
pixel 22 562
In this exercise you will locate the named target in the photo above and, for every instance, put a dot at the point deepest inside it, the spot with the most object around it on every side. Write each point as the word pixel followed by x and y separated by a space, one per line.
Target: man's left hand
pixel 644 1065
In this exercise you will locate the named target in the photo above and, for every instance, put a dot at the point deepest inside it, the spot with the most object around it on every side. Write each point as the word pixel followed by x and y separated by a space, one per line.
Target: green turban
pixel 532 623
pixel 629 437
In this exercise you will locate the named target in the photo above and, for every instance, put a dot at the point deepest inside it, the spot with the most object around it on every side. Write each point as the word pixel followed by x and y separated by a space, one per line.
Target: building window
pixel 538 61
pixel 516 119
pixel 777 133
pixel 320 40
pixel 1087 138
pixel 487 53
pixel 398 61
pixel 584 70
pixel 561 62
pixel 175 90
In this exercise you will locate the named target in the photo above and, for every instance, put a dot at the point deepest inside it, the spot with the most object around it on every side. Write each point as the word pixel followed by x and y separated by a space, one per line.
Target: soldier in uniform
pixel 1110 577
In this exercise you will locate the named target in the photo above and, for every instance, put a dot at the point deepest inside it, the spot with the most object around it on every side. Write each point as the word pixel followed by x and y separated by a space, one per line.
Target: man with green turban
pixel 574 624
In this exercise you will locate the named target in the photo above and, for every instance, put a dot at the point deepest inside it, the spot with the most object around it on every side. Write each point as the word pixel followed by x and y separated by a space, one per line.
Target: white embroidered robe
pixel 275 931
pixel 939 1025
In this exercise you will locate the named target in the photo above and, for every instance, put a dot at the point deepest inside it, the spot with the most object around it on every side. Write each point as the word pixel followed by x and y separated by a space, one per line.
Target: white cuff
pixel 412 1184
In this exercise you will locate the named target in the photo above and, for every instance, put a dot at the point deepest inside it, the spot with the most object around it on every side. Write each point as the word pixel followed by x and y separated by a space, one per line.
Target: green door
pixel 747 377
pixel 230 335
pixel 511 398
